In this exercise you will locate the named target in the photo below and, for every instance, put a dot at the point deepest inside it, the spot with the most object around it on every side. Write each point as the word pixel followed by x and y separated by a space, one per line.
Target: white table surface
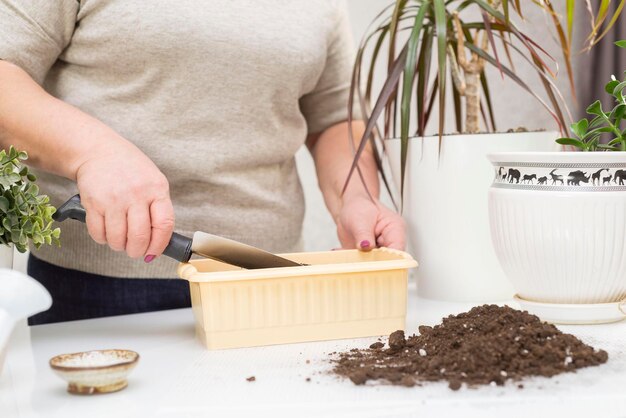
pixel 177 377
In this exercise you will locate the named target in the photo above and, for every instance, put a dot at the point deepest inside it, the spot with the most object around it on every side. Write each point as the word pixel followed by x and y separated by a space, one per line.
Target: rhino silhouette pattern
pixel 529 178
pixel 575 177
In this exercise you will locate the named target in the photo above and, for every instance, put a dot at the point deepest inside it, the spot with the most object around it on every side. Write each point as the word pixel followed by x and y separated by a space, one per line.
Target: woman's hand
pixel 361 222
pixel 366 224
pixel 127 201
pixel 125 195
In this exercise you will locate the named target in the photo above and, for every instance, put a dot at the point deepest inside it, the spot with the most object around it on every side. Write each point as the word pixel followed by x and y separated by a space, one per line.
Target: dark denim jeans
pixel 79 295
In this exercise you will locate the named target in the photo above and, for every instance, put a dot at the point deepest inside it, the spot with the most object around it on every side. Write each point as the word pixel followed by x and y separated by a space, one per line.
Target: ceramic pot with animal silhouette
pixel 446 210
pixel 561 239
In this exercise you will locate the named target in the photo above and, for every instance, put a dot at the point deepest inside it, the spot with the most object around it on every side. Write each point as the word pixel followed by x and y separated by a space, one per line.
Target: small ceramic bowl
pixel 98 371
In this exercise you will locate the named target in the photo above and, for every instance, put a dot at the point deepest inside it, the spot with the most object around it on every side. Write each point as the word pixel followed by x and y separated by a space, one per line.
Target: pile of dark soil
pixel 489 344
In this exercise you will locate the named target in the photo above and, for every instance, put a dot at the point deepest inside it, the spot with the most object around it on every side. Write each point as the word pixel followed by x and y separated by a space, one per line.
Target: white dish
pixel 575 314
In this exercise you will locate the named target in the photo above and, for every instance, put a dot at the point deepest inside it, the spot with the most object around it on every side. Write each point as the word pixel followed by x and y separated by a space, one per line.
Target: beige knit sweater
pixel 219 94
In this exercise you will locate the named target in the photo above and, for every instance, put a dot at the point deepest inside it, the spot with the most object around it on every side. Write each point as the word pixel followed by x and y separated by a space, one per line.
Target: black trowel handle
pixel 71 209
pixel 179 247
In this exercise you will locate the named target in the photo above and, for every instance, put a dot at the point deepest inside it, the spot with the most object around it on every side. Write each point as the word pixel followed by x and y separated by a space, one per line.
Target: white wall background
pixel 513 106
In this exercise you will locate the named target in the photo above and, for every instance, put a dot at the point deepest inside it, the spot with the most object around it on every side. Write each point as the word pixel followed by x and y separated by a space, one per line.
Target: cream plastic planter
pixel 445 207
pixel 340 294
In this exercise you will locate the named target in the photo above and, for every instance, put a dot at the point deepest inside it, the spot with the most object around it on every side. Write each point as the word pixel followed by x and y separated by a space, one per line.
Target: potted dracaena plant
pixel 560 239
pixel 443 179
pixel 25 215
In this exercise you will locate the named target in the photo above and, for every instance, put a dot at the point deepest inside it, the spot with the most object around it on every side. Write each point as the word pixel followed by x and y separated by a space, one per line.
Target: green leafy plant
pixel 438 37
pixel 25 215
pixel 588 133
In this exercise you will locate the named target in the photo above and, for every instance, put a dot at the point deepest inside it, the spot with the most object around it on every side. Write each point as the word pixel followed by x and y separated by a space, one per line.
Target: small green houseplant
pixel 25 215
pixel 588 133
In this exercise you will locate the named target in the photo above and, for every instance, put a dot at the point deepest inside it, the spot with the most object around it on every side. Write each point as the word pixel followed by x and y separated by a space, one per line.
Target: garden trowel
pixel 203 244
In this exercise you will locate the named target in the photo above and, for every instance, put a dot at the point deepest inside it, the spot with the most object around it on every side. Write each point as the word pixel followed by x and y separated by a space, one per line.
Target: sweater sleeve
pixel 33 33
pixel 327 104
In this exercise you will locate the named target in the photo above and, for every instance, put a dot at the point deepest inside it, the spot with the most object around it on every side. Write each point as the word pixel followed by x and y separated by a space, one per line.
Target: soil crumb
pixel 489 345
pixel 251 379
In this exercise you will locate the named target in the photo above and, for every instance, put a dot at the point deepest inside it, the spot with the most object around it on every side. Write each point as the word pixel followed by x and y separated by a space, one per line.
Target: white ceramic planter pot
pixel 558 222
pixel 6 261
pixel 445 207
pixel 20 297
pixel 6 256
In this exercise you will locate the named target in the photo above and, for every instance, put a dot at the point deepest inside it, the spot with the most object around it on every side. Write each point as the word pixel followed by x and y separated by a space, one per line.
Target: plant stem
pixel 472 102
pixel 472 69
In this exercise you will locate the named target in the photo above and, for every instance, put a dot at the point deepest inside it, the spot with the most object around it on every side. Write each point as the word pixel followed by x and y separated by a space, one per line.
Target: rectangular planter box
pixel 340 294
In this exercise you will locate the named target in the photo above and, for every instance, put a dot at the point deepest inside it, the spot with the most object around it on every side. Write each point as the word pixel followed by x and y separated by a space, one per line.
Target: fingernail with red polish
pixel 365 244
pixel 149 258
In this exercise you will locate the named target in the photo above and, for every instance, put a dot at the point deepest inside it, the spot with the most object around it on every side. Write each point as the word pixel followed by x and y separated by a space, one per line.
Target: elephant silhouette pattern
pixel 542 180
pixel 529 178
pixel 575 177
pixel 513 175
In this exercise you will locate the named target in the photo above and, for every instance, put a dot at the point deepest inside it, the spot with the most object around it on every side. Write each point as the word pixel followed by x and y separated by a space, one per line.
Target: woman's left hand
pixel 362 222
pixel 366 224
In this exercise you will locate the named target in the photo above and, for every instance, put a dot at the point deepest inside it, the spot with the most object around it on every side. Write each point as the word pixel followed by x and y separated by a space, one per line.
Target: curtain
pixel 597 66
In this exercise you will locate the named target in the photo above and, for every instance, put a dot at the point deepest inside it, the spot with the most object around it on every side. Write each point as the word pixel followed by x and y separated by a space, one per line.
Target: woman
pixel 191 108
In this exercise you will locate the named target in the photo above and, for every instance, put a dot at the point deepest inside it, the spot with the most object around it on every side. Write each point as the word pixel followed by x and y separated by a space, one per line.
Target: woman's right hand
pixel 127 201
pixel 124 193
